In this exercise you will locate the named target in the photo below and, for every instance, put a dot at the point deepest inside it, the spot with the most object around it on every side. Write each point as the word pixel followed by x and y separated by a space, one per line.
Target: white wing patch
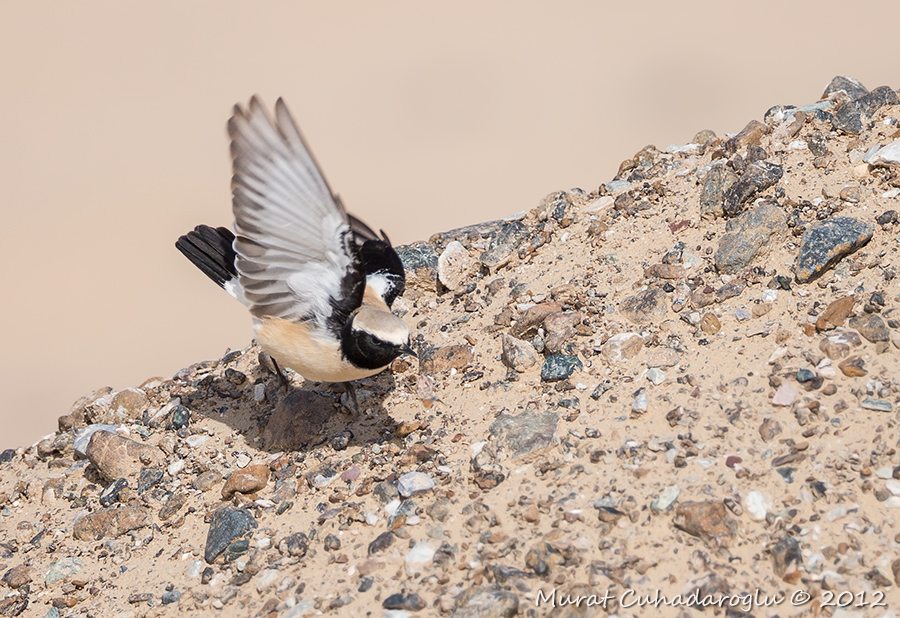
pixel 290 231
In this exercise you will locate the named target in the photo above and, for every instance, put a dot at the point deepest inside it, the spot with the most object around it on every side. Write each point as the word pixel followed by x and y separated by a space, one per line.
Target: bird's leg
pixel 281 377
pixel 351 403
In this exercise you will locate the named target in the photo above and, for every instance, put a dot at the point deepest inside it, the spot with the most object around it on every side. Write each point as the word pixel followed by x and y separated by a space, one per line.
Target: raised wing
pixel 297 258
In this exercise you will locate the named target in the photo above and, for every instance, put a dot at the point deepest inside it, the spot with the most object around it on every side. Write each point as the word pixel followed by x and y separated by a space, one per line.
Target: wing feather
pixel 296 258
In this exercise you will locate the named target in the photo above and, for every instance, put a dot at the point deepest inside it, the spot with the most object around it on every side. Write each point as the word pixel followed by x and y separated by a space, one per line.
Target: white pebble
pixel 175 467
pixel 757 505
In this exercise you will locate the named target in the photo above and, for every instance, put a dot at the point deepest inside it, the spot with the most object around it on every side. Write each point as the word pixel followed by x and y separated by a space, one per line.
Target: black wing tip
pixel 210 249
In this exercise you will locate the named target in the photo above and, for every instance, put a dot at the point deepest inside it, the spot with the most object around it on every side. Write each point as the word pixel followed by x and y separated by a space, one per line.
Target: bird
pixel 319 283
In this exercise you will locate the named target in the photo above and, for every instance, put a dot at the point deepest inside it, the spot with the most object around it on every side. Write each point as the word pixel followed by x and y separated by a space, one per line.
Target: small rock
pixel 757 505
pixel 559 367
pixel 835 314
pixel 486 602
pixel 205 480
pixel 710 324
pixel 83 437
pixel 879 405
pixel 111 522
pixel 438 360
pixel 664 501
pixel 381 542
pixel 116 457
pixel 246 481
pixel 18 576
pixel 61 569
pixel 853 367
pixel 228 523
pixel 533 318
pixel 889 155
pixel 715 183
pixel 758 176
pixel 621 347
pixel 748 237
pixel 640 403
pixel 173 504
pixel 645 307
pixel 172 596
pixel 662 357
pixel 526 432
pixel 518 354
pixel 453 265
pixel 850 116
pixel 420 263
pixel 785 395
pixel 786 556
pixel 825 243
pixel 656 376
pixel 870 326
pixel 413 483
pixel 409 602
pixel 708 520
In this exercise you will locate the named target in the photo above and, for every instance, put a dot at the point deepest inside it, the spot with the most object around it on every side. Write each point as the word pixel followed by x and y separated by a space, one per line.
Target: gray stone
pixel 453 265
pixel 228 523
pixel 413 483
pixel 879 405
pixel 505 243
pixel 786 556
pixel 408 602
pixel 664 501
pixel 111 522
pixel 646 307
pixel 850 117
pixel 83 437
pixel 486 602
pixel 825 243
pixel 748 236
pixel 757 177
pixel 889 155
pixel 518 354
pixel 526 432
pixel 116 457
pixel 871 326
pixel 718 180
pixel 63 568
pixel 559 367
pixel 852 87
pixel 420 263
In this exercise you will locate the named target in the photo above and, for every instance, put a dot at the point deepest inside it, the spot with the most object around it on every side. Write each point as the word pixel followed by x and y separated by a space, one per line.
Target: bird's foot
pixel 348 398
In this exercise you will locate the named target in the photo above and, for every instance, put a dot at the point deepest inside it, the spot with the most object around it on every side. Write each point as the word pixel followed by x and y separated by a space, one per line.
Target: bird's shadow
pixel 274 417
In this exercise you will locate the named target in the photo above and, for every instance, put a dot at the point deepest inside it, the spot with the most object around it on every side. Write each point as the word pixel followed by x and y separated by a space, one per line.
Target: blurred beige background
pixel 425 116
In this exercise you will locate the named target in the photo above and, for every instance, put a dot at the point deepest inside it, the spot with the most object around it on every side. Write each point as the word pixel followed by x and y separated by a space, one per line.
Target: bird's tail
pixel 211 250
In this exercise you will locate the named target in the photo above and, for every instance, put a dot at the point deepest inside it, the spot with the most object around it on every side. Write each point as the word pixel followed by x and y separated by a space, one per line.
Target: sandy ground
pixel 598 412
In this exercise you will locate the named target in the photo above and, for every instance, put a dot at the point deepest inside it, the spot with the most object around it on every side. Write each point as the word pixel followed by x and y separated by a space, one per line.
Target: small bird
pixel 318 282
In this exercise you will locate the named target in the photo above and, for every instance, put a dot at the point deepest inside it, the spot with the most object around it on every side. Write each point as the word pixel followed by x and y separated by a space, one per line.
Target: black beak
pixel 408 350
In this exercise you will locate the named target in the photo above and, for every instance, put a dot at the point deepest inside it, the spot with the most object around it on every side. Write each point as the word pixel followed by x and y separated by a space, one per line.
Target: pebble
pixel 518 354
pixel 175 467
pixel 879 405
pixel 420 263
pixel 853 367
pixel 61 569
pixel 850 116
pixel 786 555
pixel 409 602
pixel 708 520
pixel 110 493
pixel 871 326
pixel 413 483
pixel 486 602
pixel 835 313
pixel 227 524
pixel 664 501
pixel 420 556
pixel 757 505
pixel 559 367
pixel 748 237
pixel 505 243
pixel 645 307
pixel 197 440
pixel 757 177
pixel 785 395
pixel 18 576
pixel 533 318
pixel 83 437
pixel 453 265
pixel 893 486
pixel 117 457
pixel 526 432
pixel 712 197
pixel 173 596
pixel 662 357
pixel 205 480
pixel 640 403
pixel 710 324
pixel 621 347
pixel 111 522
pixel 825 243
pixel 247 481
pixel 769 429
pixel 888 155
pixel 656 376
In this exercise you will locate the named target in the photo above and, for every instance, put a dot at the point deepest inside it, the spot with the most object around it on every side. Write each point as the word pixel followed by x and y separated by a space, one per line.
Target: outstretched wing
pixel 296 254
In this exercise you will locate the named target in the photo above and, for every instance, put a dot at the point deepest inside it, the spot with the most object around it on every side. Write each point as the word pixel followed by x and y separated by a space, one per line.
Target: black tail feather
pixel 210 250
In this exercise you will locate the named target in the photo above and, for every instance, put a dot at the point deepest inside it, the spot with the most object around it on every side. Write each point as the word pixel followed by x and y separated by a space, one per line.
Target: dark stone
pixel 385 492
pixel 759 176
pixel 646 307
pixel 110 493
pixel 871 326
pixel 805 375
pixel 331 542
pixel 486 602
pixel 507 241
pixel 381 542
pixel 207 575
pixel 173 504
pixel 825 243
pixel 294 545
pixel 171 597
pixel 852 87
pixel 7 455
pixel 410 602
pixel 729 290
pixel 786 556
pixel 748 236
pixel 886 218
pixel 526 432
pixel 365 584
pixel 149 477
pixel 228 523
pixel 559 367
pixel 817 144
pixel 181 417
pixel 849 118
pixel 420 263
